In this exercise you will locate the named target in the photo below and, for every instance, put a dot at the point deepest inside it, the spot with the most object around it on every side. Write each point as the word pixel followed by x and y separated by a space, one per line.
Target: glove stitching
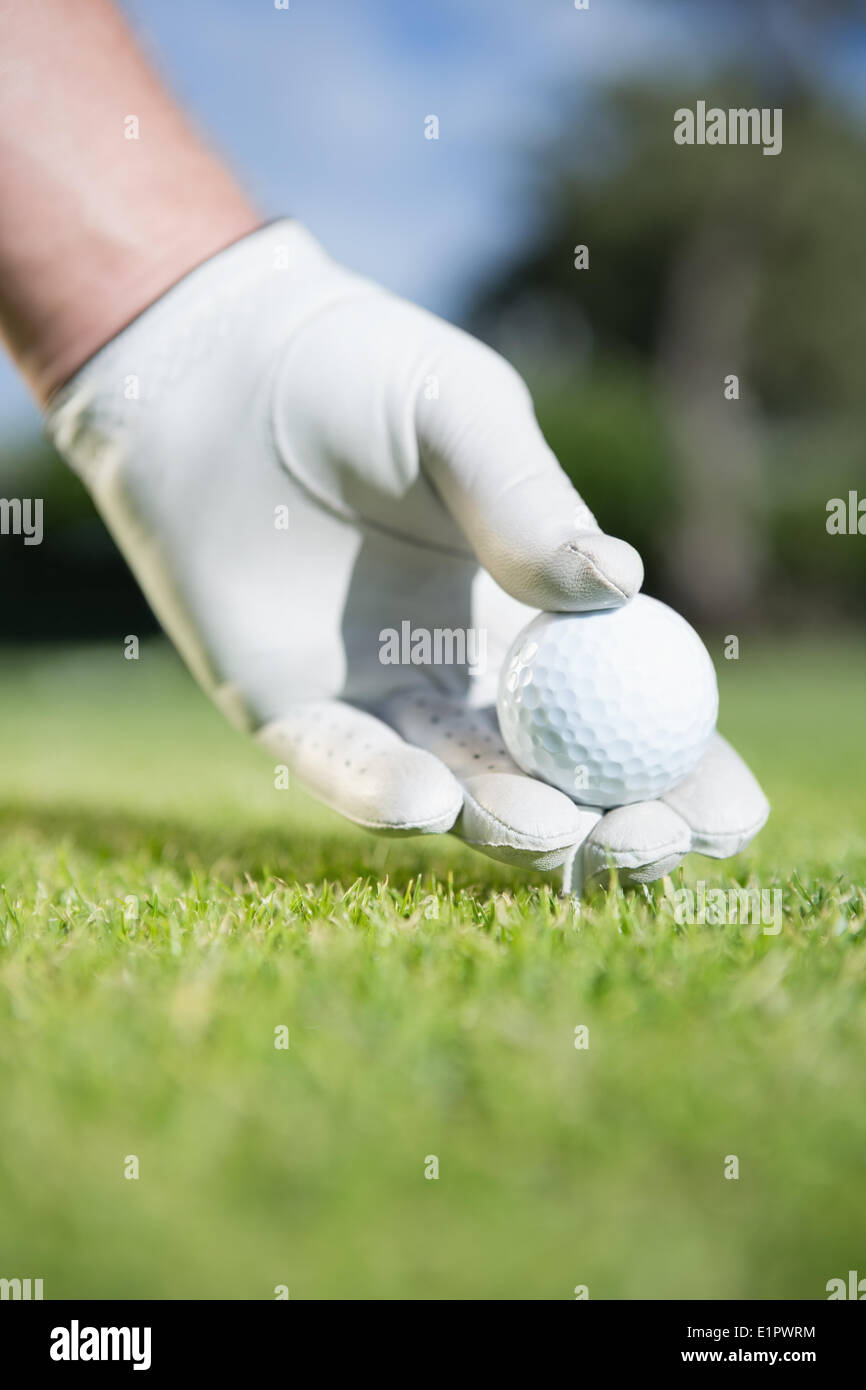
pixel 605 579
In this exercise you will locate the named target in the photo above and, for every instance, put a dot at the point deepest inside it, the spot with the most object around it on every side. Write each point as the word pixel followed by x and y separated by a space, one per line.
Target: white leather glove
pixel 293 462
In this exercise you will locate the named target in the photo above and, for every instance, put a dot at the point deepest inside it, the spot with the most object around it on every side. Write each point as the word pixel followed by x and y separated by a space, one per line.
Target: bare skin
pixel 94 226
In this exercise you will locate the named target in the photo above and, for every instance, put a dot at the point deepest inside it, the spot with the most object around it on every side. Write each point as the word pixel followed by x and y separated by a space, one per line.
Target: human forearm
pixel 93 225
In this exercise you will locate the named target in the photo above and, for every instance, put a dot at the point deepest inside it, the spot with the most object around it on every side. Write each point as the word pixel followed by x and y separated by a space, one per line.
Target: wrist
pixel 88 293
pixel 229 314
pixel 100 216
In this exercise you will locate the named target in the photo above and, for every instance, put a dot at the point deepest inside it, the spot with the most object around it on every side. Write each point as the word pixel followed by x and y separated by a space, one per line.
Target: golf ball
pixel 612 706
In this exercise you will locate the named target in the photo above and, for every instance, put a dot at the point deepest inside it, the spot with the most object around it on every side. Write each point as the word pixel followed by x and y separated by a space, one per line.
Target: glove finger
pixel 360 767
pixel 506 815
pixel 482 448
pixel 641 842
pixel 721 802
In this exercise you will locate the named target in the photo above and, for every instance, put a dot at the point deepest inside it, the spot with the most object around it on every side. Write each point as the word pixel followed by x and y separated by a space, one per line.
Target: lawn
pixel 165 909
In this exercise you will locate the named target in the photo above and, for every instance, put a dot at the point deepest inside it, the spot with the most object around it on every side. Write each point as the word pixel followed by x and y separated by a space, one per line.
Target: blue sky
pixel 320 110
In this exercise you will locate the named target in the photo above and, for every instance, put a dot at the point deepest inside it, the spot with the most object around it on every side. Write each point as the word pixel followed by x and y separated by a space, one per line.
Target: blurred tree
pixel 705 261
pixel 75 585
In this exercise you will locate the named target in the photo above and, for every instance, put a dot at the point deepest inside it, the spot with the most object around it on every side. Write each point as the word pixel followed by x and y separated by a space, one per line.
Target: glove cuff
pixel 90 418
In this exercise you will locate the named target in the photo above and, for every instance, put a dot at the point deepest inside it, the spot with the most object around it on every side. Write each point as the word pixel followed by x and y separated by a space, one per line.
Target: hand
pixel 296 465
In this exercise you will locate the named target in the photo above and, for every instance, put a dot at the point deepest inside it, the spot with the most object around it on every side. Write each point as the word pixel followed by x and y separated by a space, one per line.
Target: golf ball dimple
pixel 613 706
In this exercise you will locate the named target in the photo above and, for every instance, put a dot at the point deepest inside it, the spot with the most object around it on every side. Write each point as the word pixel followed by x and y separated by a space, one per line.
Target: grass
pixel 164 909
